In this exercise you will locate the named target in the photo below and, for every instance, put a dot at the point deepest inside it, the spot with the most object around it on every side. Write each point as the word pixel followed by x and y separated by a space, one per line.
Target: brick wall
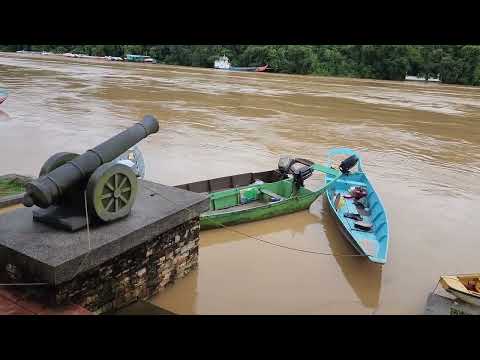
pixel 136 274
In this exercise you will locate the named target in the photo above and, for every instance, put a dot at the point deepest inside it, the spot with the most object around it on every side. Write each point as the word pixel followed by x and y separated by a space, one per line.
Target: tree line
pixel 454 64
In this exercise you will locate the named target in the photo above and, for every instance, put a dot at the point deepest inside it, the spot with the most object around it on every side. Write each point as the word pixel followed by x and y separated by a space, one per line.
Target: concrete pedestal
pixel 119 262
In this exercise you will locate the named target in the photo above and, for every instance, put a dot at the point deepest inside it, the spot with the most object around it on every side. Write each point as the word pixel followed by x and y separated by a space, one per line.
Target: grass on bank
pixel 10 187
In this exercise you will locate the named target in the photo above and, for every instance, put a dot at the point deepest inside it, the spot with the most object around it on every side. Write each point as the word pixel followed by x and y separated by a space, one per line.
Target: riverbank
pixel 100 61
pixel 455 64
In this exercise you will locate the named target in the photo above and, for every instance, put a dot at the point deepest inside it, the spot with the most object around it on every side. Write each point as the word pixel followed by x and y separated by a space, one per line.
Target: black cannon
pixel 67 181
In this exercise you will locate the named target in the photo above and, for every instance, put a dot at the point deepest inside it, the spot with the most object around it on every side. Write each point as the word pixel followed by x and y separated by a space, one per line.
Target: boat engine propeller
pixel 347 164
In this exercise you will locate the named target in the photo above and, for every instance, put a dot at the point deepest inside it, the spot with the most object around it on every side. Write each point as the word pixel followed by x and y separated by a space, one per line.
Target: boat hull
pixel 287 206
pixel 248 69
pixel 465 297
pixel 275 194
pixel 373 244
pixel 346 234
pixel 455 285
pixel 3 95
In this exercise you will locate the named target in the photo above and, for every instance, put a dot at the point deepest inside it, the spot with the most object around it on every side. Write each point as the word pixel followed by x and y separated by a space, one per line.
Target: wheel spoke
pixel 125 189
pixel 122 182
pixel 116 181
pixel 109 204
pixel 116 204
pixel 123 199
pixel 106 196
pixel 110 186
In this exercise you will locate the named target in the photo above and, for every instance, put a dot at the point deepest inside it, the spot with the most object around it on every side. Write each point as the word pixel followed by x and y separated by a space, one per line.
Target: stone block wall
pixel 137 274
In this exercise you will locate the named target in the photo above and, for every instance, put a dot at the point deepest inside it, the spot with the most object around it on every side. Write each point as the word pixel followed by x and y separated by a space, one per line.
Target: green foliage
pixel 454 64
pixel 60 49
pixel 10 187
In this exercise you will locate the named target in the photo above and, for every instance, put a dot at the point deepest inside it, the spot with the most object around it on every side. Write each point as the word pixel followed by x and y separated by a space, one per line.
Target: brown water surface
pixel 421 149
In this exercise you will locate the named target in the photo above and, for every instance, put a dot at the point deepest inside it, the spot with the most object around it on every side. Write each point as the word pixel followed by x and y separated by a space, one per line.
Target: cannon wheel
pixel 111 191
pixel 55 161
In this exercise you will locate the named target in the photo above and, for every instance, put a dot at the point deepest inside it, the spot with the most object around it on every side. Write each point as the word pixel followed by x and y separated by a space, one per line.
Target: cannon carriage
pixel 72 189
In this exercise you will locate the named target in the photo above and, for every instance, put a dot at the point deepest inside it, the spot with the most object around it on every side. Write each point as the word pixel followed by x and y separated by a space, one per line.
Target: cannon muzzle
pixel 52 186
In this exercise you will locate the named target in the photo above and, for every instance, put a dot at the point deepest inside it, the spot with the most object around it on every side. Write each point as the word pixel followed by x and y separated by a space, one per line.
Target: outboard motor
pixel 284 164
pixel 287 165
pixel 301 174
pixel 347 164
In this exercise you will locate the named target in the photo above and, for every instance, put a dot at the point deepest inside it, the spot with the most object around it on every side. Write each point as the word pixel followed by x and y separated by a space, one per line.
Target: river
pixel 420 144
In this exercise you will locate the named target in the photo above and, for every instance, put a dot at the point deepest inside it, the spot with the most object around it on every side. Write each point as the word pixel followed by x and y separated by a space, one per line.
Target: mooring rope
pixel 269 242
pixel 88 236
pixel 189 210
pixel 436 286
pixel 83 260
pixel 259 239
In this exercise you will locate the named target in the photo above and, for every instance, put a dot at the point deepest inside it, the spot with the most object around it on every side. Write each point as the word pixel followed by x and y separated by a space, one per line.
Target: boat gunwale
pixel 186 186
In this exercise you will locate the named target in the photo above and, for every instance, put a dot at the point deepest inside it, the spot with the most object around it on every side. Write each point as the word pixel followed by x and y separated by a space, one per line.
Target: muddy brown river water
pixel 420 143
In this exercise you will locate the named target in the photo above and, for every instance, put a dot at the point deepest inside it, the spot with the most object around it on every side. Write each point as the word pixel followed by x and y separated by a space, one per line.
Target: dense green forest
pixel 455 64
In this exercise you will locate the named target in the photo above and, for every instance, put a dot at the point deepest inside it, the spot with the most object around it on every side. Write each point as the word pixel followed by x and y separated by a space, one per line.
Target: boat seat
pixel 351 223
pixel 271 194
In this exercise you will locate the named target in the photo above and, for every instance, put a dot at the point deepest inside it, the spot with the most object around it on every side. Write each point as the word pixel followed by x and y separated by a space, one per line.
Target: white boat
pixel 416 78
pixel 222 63
pixel 464 287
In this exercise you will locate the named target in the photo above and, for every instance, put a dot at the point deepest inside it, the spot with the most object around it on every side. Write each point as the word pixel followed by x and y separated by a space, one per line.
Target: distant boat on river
pixel 140 58
pixel 416 78
pixel 223 63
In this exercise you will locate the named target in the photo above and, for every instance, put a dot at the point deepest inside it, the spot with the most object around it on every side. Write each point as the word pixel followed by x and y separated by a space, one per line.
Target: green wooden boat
pixel 256 196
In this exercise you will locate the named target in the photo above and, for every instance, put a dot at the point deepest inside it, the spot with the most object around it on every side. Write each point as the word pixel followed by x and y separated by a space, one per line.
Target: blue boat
pixel 357 208
pixel 3 95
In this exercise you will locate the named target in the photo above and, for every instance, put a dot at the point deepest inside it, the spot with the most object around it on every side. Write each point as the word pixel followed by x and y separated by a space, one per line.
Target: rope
pixel 212 221
pixel 271 243
pixel 81 264
pixel 88 236
pixel 262 240
pixel 436 286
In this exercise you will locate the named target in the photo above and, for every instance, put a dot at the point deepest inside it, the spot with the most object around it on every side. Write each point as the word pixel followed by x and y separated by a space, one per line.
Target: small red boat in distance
pixel 262 68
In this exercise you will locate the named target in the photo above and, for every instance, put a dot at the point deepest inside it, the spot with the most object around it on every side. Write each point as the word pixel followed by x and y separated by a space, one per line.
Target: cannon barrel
pixel 48 189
